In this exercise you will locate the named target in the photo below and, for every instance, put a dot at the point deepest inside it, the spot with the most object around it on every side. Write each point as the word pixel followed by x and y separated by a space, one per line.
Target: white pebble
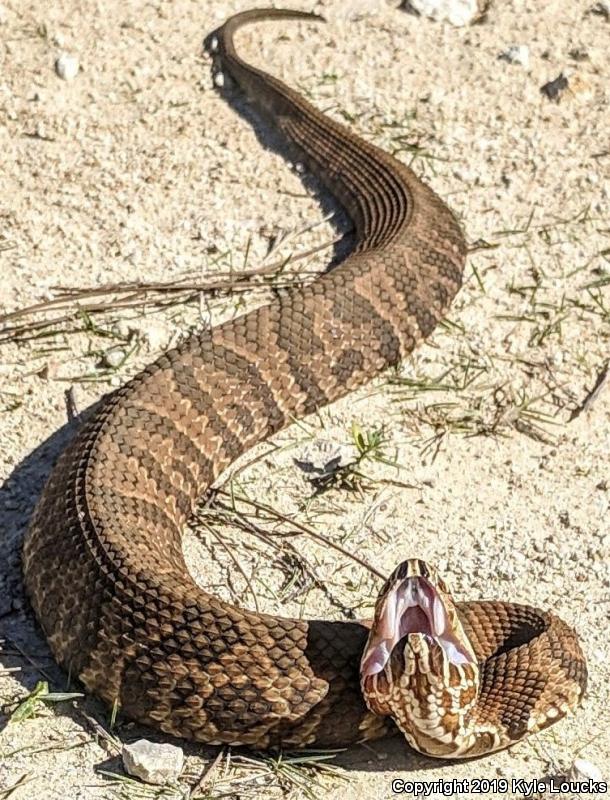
pixel 557 358
pixel 517 54
pixel 112 359
pixel 583 770
pixel 153 763
pixel 219 79
pixel 67 67
pixel 457 12
pixel 213 46
pixel 156 334
pixel 352 9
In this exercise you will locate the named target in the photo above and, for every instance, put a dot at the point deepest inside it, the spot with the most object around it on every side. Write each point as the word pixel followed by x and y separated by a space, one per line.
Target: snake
pixel 102 558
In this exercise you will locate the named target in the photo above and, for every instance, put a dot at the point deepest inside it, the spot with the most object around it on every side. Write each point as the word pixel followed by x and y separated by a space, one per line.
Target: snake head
pixel 417 657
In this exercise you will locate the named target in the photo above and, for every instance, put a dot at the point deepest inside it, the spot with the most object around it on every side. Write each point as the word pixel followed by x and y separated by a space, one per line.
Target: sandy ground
pixel 139 170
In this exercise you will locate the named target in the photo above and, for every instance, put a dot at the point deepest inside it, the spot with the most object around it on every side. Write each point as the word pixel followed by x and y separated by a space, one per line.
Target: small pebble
pixel 124 328
pixel 112 359
pixel 353 10
pixel 555 88
pixel 578 54
pixel 43 133
pixel 67 67
pixel 557 358
pixel 583 770
pixel 219 80
pixel 457 12
pixel 601 9
pixel 516 54
pixel 153 763
pixel 155 334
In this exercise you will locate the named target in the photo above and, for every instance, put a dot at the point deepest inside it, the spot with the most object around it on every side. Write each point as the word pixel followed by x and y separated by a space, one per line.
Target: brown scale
pixel 102 560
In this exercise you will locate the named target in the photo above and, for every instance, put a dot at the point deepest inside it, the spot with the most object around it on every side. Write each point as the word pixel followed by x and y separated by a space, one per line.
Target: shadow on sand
pixel 24 646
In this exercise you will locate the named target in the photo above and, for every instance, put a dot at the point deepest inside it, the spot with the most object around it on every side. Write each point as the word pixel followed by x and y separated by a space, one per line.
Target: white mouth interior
pixel 411 606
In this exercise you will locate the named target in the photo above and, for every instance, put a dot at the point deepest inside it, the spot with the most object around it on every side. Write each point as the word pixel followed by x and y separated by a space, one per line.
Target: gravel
pixel 138 169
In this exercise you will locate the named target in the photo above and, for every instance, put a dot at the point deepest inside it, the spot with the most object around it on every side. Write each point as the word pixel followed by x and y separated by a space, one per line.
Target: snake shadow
pixel 270 138
pixel 25 649
pixel 21 490
pixel 19 494
pixel 26 653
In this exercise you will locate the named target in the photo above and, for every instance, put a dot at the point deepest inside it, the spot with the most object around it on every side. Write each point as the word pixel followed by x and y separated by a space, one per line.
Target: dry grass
pixel 470 382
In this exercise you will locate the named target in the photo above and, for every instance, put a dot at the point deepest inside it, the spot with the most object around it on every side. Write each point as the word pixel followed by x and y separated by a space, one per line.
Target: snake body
pixel 103 563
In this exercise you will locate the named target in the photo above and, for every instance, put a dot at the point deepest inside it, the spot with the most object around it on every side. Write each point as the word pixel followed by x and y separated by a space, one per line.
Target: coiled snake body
pixel 102 560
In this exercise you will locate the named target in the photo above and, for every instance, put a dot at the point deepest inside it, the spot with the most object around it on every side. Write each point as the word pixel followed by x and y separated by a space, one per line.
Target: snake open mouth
pixel 411 606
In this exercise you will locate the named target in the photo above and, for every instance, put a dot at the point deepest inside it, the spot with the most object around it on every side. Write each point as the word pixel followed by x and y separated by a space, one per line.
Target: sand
pixel 138 169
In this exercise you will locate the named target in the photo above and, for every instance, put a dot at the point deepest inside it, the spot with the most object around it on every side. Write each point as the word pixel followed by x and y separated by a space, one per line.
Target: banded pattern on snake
pixel 103 563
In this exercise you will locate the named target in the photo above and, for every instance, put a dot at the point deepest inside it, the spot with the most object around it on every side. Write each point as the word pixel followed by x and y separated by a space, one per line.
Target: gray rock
pixel 153 763
pixel 457 12
pixel 67 67
pixel 516 54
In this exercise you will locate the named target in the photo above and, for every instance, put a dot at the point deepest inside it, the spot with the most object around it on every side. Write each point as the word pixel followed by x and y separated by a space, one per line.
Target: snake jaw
pixel 417 649
pixel 411 606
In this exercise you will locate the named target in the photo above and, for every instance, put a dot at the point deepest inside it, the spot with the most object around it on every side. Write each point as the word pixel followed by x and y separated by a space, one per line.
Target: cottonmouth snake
pixel 103 563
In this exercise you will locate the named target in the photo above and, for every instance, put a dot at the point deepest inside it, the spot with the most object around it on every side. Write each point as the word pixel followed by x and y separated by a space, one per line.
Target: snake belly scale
pixel 103 563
